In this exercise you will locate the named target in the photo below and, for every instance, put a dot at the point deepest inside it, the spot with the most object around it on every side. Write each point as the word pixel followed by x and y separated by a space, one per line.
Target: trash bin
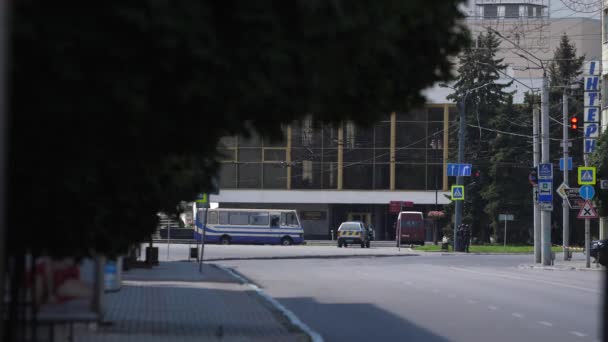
pixel 113 274
pixel 152 255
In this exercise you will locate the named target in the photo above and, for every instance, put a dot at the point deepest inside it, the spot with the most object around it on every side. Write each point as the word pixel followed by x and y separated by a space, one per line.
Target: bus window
pixel 258 219
pixel 239 218
pixel 224 217
pixel 289 219
pixel 275 218
pixel 212 218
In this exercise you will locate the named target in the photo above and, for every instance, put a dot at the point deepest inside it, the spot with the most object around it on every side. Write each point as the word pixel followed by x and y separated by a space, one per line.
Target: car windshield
pixel 350 226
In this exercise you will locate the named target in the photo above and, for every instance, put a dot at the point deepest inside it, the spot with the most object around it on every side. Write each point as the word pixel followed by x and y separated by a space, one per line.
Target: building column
pixel 393 148
pixel 340 155
pixel 288 157
pixel 446 137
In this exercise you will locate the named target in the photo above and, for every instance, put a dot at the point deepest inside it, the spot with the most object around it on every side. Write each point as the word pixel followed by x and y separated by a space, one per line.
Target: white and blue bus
pixel 255 226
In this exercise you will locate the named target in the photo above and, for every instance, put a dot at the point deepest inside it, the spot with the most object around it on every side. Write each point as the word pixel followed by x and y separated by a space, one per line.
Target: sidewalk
pixel 174 302
pixel 577 262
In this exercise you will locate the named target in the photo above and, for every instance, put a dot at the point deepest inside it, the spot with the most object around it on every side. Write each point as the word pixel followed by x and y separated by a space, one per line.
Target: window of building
pixel 350 135
pixel 410 176
pixel 250 175
pixel 307 132
pixel 307 171
pixel 250 155
pixel 358 176
pixel 511 11
pixel 275 176
pixel 274 154
pixel 227 175
pixel 490 11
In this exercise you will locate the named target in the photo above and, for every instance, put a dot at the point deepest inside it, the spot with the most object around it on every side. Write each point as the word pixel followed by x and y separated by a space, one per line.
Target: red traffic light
pixel 574 123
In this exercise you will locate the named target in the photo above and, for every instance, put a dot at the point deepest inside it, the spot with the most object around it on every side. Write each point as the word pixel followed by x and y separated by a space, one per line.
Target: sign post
pixel 587 177
pixel 506 218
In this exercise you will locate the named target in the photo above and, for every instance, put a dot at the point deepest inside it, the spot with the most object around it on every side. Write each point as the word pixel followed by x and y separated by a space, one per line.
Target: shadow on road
pixel 357 322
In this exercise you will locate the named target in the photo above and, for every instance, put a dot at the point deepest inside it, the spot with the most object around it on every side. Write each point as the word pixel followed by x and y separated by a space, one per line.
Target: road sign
pixel 561 164
pixel 586 175
pixel 587 211
pixel 546 206
pixel 456 170
pixel 396 206
pixel 604 184
pixel 506 217
pixel 545 171
pixel 587 192
pixel 575 201
pixel 545 191
pixel 561 191
pixel 457 192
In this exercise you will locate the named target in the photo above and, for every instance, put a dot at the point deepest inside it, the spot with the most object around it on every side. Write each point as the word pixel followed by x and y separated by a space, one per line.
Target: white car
pixel 353 232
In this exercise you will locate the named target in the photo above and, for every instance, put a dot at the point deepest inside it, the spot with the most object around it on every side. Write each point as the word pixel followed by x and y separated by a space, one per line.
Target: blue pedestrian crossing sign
pixel 457 192
pixel 586 175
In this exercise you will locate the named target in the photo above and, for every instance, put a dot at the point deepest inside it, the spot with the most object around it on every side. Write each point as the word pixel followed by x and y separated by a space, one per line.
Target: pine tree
pixel 480 66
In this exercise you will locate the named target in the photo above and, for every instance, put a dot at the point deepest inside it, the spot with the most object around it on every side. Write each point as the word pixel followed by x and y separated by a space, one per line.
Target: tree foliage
pixel 479 84
pixel 117 108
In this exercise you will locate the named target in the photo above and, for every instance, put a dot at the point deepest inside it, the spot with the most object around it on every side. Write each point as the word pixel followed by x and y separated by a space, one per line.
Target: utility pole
pixel 459 180
pixel 565 206
pixel 536 156
pixel 545 217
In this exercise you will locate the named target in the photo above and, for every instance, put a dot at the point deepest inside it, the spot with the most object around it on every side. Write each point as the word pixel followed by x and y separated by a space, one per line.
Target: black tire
pixel 225 240
pixel 345 244
pixel 339 244
pixel 286 241
pixel 362 244
pixel 368 244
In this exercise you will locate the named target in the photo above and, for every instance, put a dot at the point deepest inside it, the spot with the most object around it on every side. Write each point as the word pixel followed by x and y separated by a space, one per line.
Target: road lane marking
pixel 471 301
pixel 492 307
pixel 578 334
pixel 517 314
pixel 527 279
pixel 545 323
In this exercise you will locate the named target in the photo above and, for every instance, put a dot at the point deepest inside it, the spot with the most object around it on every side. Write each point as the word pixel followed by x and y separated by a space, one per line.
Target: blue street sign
pixel 456 170
pixel 587 192
pixel 545 171
pixel 545 191
pixel 561 164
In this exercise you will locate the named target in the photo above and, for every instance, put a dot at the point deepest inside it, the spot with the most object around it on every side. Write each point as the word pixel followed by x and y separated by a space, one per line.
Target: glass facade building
pixel 331 174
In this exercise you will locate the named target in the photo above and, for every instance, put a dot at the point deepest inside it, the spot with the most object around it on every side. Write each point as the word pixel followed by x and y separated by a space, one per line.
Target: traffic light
pixel 574 123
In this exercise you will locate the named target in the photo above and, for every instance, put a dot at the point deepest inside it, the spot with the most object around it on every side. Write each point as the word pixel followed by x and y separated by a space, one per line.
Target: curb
pixel 563 268
pixel 313 257
pixel 291 317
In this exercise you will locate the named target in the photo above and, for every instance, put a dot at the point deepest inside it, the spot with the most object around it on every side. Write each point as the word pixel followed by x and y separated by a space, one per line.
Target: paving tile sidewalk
pixel 174 302
pixel 577 263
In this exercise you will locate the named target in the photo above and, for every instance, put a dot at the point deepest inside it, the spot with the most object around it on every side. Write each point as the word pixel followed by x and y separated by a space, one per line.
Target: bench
pixel 68 313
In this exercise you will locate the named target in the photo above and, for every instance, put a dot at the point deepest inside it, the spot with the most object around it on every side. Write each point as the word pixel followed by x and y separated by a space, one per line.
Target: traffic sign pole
pixel 565 205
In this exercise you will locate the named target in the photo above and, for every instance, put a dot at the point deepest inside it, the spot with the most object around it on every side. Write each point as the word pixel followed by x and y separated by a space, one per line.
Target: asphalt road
pixel 433 297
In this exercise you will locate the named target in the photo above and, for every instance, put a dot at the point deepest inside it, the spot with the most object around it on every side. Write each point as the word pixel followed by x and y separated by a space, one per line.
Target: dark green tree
pixel 480 69
pixel 564 70
pixel 116 108
pixel 510 160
